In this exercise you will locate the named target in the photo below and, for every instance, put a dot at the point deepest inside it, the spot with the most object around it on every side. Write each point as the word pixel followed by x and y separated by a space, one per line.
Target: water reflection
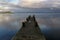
pixel 11 23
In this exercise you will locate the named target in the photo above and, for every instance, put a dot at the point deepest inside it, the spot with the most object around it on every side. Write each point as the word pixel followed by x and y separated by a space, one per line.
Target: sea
pixel 49 23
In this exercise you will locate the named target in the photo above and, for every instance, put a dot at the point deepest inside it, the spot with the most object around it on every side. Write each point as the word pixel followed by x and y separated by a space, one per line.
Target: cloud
pixel 33 3
pixel 40 3
pixel 10 1
pixel 7 6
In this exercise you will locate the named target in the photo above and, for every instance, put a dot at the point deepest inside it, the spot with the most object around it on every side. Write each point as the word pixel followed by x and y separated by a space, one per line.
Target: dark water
pixel 49 24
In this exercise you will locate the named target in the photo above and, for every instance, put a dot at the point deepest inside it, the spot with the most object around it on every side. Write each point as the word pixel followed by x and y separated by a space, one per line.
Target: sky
pixel 40 3
pixel 14 4
pixel 35 3
pixel 10 1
